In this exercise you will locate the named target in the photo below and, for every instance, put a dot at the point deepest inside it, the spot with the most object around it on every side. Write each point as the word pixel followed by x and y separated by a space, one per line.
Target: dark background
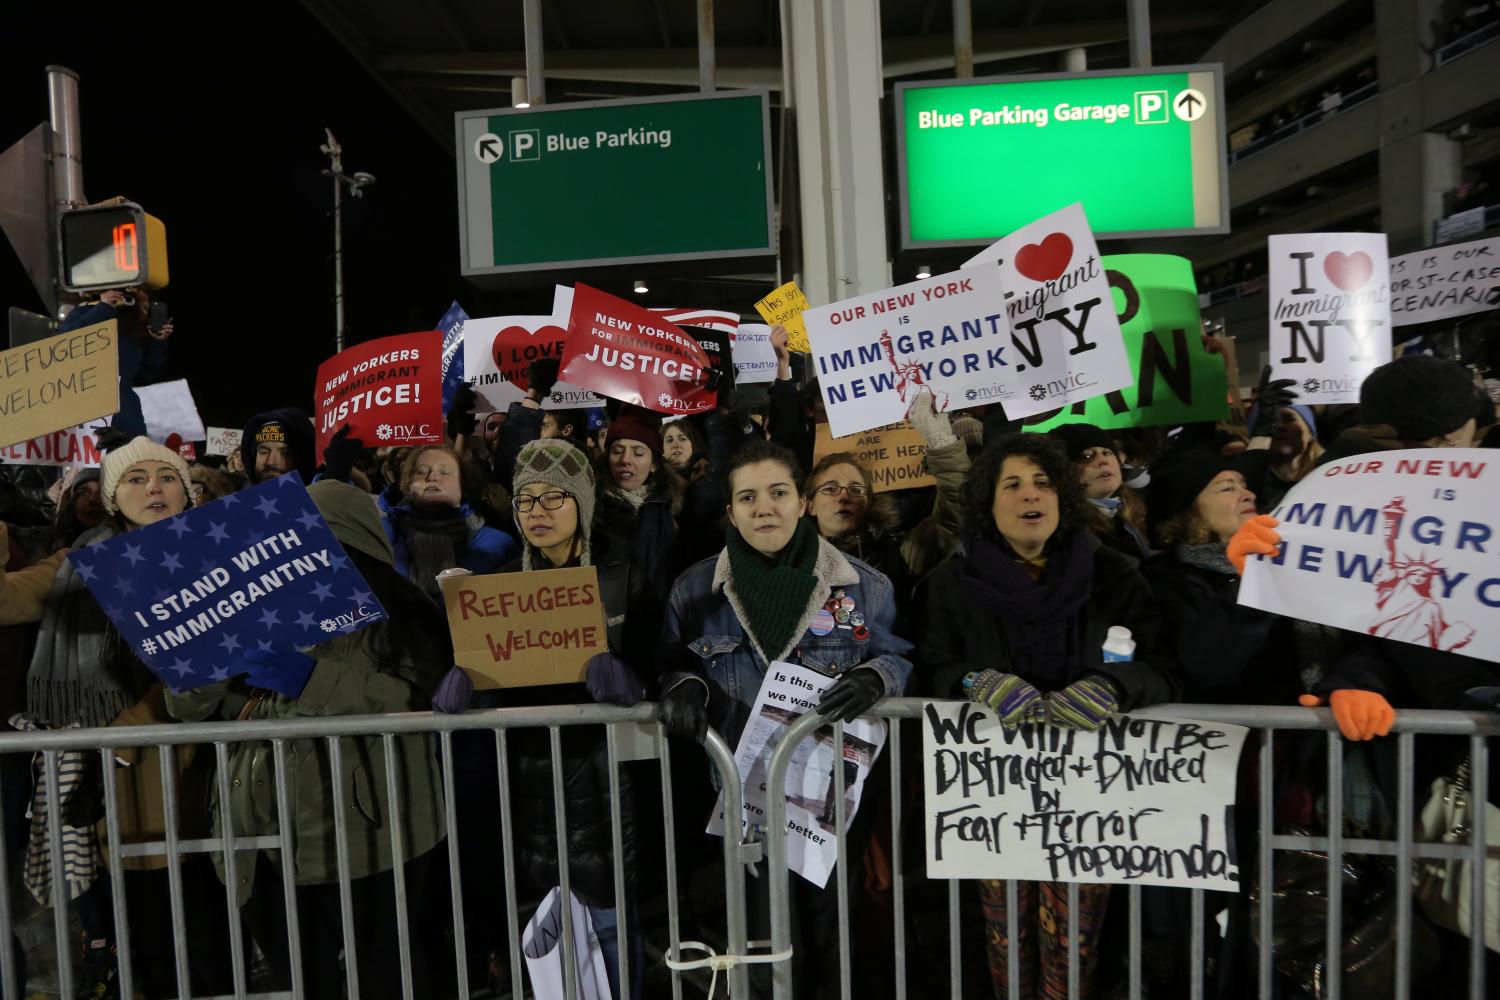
pixel 210 117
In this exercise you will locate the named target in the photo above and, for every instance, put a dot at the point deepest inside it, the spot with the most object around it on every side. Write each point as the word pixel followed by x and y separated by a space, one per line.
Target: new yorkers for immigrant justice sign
pixel 1397 544
pixel 59 382
pixel 389 391
pixel 874 352
pixel 1146 800
pixel 619 349
pixel 1068 345
pixel 257 569
pixel 1330 312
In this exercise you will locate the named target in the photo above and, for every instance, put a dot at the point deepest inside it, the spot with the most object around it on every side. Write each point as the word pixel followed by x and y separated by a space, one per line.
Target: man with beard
pixel 276 442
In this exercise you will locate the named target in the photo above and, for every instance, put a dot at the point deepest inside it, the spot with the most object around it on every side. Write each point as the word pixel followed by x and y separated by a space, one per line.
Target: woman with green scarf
pixel 780 593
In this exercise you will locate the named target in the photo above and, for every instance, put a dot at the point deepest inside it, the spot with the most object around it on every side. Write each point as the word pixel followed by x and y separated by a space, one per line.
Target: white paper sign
pixel 874 352
pixel 1068 344
pixel 754 358
pixel 541 943
pixel 1330 312
pixel 1444 282
pixel 1397 544
pixel 223 440
pixel 498 351
pixel 72 446
pixel 1146 800
pixel 169 409
pixel 788 692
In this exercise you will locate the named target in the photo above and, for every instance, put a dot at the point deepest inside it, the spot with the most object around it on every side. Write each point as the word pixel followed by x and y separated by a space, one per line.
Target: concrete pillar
pixel 1416 167
pixel 1074 60
pixel 836 79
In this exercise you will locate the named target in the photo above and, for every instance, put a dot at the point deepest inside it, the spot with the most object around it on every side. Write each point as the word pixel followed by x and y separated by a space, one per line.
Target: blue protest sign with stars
pixel 258 569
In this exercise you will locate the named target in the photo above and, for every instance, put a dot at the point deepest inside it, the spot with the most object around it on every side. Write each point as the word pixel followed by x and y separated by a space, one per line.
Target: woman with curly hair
pixel 1017 620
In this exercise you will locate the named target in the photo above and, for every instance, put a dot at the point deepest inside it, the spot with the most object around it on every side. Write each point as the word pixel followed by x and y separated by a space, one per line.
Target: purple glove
pixel 454 692
pixel 283 671
pixel 611 681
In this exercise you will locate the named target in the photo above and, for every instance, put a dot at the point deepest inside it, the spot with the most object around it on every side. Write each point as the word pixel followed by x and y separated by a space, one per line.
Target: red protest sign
pixel 620 349
pixel 389 391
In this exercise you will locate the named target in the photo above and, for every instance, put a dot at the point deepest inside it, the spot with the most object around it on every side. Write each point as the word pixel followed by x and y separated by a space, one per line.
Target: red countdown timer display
pixel 113 246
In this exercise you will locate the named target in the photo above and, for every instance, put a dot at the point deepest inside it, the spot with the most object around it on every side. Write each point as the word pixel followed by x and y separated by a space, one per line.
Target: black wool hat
pixel 1178 479
pixel 1079 438
pixel 1418 395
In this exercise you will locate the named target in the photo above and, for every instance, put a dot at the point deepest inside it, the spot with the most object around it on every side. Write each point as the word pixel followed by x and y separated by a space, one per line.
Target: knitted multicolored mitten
pixel 1015 701
pixel 1085 704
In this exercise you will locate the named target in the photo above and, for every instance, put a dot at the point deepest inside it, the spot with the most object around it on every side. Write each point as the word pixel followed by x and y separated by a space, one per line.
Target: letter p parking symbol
pixel 1151 107
pixel 524 145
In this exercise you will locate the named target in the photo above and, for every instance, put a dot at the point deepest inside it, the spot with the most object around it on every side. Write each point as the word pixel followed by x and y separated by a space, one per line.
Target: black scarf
pixel 433 543
pixel 1038 619
pixel 774 590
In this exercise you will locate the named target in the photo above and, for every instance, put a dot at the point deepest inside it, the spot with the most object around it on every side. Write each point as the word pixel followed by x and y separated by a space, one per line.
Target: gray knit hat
pixel 557 462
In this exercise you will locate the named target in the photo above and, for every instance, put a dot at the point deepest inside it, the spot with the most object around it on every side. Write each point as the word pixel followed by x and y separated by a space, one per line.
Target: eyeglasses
pixel 549 501
pixel 856 490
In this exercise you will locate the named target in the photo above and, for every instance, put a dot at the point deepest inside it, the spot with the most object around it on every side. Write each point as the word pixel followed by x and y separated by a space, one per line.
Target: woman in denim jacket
pixel 779 592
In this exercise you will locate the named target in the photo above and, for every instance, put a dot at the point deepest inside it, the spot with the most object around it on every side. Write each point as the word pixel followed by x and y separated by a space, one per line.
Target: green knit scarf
pixel 774 590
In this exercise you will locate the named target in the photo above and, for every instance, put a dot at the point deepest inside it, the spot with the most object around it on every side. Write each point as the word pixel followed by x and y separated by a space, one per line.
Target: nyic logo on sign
pixel 525 144
pixel 1151 107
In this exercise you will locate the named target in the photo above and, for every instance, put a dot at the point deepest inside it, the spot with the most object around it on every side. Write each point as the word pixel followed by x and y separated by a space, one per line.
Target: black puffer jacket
pixel 959 636
pixel 643 546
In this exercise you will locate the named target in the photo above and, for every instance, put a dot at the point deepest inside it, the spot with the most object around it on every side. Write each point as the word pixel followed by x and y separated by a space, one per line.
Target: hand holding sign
pixel 784 307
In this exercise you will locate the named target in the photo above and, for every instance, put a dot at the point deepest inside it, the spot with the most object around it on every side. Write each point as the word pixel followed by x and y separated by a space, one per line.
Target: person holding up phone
pixel 144 327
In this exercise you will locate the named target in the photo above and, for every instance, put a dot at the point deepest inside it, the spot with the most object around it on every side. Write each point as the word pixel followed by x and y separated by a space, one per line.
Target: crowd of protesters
pixel 721 546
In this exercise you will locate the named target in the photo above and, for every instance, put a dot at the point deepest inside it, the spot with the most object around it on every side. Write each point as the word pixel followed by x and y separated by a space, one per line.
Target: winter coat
pixel 704 635
pixel 644 543
pixel 959 635
pixel 1230 654
pixel 344 681
pixel 486 550
pixel 143 359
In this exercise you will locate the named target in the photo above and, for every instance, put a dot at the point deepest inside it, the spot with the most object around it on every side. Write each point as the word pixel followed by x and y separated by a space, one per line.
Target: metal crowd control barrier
pixel 50 744
pixel 1476 726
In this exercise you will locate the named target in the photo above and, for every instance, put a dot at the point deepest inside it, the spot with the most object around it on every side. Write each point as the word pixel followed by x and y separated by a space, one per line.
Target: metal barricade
pixel 1478 727
pixel 224 736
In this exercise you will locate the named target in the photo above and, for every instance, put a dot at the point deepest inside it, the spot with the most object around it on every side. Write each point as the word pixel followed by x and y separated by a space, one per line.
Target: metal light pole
pixel 357 183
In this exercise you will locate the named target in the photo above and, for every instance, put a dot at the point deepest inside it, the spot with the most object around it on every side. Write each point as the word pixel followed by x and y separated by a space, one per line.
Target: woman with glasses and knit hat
pixel 778 592
pixel 553 500
pixel 1017 621
pixel 84 674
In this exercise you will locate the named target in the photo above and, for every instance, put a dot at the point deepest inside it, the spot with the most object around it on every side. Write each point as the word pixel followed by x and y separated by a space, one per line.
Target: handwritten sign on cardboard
pixel 59 382
pixel 895 454
pixel 785 306
pixel 525 629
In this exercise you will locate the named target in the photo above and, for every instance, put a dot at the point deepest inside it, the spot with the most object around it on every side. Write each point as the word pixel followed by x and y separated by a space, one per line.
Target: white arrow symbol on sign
pixel 1189 105
pixel 489 148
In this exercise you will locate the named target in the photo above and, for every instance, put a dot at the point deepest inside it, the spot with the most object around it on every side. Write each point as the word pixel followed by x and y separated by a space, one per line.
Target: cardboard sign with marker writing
pixel 60 382
pixel 525 629
pixel 785 306
pixel 895 454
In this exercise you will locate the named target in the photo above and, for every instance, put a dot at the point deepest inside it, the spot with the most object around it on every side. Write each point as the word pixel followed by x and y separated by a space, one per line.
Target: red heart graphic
pixel 1348 272
pixel 1046 260
pixel 515 348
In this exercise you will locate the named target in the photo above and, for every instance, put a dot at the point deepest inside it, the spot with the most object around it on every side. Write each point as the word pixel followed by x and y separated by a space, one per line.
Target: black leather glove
pixel 339 456
pixel 852 695
pixel 542 376
pixel 683 708
pixel 110 438
pixel 460 413
pixel 1270 397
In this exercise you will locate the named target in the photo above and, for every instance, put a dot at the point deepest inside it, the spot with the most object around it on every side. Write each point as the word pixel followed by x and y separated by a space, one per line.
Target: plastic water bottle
pixel 1118 645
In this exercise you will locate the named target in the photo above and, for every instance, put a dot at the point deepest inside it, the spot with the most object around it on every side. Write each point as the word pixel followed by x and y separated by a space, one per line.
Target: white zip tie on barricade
pixel 723 963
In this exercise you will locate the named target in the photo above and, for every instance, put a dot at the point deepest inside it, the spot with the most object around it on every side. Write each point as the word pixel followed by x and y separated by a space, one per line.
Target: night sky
pixel 212 122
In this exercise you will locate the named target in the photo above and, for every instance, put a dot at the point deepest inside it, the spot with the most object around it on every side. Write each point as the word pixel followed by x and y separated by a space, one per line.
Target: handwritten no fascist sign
pixel 1146 800
pixel 1399 545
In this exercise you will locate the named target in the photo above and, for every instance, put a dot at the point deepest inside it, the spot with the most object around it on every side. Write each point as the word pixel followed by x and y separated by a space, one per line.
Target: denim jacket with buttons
pixel 703 635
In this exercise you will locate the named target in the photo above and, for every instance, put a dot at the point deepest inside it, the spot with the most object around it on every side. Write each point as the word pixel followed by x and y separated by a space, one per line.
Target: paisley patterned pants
pixel 1042 937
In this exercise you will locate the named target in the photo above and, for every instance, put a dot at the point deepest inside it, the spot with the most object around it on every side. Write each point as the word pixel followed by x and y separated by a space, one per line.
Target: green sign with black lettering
pixel 615 182
pixel 1176 380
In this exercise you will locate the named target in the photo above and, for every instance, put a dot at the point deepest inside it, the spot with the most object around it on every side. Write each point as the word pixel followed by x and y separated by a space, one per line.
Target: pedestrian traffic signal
pixel 112 246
